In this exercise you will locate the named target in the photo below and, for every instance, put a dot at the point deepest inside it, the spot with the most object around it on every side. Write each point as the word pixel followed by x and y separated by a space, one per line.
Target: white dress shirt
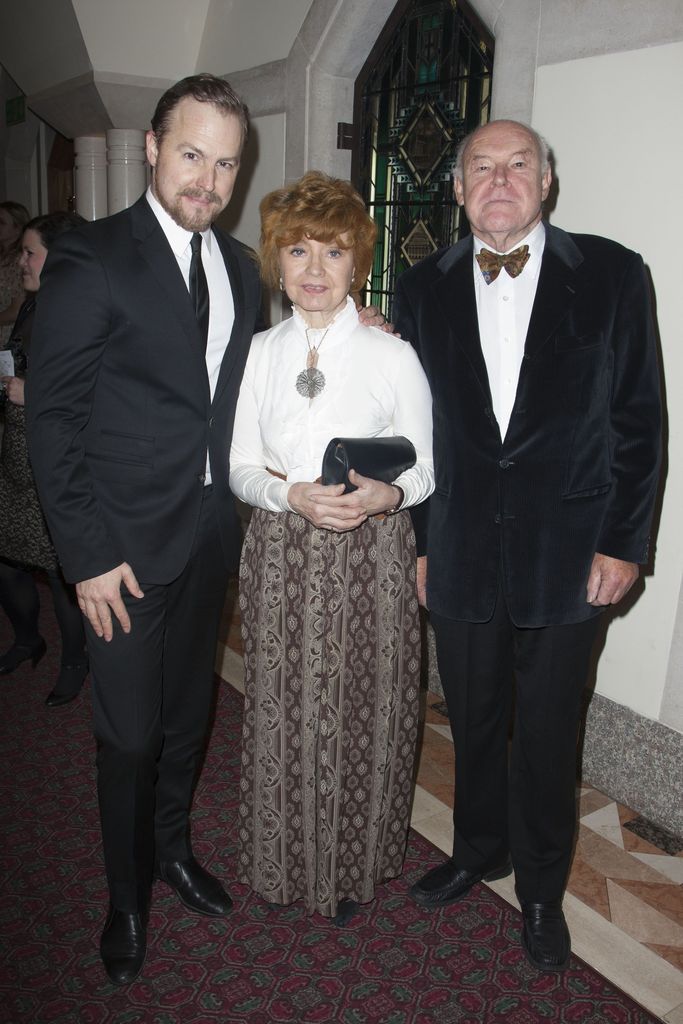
pixel 504 310
pixel 374 387
pixel 221 304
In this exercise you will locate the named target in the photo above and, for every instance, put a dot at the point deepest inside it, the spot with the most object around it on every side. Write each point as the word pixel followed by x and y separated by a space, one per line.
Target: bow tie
pixel 491 263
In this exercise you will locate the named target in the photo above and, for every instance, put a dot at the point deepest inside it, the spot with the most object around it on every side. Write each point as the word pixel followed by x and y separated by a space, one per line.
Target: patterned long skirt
pixel 332 655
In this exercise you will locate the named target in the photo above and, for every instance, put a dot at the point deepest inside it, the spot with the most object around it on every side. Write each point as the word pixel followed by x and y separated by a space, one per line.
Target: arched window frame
pixel 425 85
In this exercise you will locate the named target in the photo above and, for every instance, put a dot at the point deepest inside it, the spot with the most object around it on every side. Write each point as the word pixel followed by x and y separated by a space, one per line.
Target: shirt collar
pixel 338 325
pixel 535 240
pixel 178 238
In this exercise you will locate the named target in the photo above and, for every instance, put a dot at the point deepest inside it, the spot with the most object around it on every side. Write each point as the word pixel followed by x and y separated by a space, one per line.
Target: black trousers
pixel 152 692
pixel 520 802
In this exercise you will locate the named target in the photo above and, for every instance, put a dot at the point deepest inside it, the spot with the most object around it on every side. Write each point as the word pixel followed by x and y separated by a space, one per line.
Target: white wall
pixel 262 170
pixel 160 36
pixel 241 35
pixel 613 122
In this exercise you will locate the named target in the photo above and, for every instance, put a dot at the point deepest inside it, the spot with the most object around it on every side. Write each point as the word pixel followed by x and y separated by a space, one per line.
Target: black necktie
pixel 199 289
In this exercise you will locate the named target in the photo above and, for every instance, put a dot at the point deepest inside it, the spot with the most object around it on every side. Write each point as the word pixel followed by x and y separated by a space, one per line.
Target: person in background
pixel 327 580
pixel 540 351
pixel 25 544
pixel 13 218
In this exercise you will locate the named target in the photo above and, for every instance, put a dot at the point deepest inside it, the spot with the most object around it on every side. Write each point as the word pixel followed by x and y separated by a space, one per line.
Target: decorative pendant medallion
pixel 310 382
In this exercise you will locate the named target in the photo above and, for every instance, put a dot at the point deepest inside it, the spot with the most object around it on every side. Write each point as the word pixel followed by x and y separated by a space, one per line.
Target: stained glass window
pixel 426 84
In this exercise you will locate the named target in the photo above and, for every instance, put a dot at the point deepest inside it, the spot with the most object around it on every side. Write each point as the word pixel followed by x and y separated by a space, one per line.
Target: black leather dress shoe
pixel 68 685
pixel 123 945
pixel 197 889
pixel 19 653
pixel 545 936
pixel 447 883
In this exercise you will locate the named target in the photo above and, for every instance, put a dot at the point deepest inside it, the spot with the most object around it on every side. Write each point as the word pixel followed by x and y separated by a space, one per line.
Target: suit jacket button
pixel 211 421
pixel 201 477
pixel 504 463
pixel 497 519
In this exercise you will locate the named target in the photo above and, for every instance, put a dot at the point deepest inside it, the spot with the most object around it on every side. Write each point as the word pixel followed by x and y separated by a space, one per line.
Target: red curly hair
pixel 319 207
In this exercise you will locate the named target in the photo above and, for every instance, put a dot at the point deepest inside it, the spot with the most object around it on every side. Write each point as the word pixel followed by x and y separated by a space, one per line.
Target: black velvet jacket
pixel 577 471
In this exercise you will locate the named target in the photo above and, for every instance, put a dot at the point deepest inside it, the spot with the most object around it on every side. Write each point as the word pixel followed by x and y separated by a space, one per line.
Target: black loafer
pixel 545 936
pixel 447 883
pixel 197 889
pixel 123 945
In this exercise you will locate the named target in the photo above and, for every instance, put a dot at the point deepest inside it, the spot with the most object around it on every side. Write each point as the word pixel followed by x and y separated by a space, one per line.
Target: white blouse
pixel 374 387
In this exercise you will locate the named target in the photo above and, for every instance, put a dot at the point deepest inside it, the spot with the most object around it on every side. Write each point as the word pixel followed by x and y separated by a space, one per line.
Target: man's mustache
pixel 198 193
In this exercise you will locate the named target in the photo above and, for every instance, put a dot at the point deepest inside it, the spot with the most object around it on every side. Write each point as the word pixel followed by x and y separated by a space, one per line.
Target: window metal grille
pixel 426 84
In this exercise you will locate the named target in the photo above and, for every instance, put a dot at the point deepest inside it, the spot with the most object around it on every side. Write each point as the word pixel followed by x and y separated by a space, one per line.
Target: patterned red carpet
pixel 395 964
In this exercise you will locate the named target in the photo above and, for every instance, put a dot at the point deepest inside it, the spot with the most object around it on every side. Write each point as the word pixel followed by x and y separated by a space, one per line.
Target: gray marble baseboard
pixel 636 761
pixel 632 759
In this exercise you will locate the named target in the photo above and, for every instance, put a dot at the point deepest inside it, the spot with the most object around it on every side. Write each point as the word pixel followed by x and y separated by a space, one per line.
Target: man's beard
pixel 197 220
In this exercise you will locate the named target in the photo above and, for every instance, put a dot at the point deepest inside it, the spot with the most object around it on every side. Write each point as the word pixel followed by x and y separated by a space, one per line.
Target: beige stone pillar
pixel 127 168
pixel 91 176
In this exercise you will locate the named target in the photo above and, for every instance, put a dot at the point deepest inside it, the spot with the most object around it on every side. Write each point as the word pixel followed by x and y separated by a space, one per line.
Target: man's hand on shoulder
pixel 609 580
pixel 370 316
pixel 100 596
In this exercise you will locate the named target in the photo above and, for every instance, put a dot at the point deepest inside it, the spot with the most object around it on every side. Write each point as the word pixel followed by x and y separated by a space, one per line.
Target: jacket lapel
pixel 454 294
pixel 556 289
pixel 233 355
pixel 163 266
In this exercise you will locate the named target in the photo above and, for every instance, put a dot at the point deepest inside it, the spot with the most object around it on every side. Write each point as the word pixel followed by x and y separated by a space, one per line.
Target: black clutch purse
pixel 380 458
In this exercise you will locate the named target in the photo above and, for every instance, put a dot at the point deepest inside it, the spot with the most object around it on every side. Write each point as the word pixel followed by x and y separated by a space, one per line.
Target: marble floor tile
pixel 612 861
pixel 674 1016
pixel 643 975
pixel 438 829
pixel 670 867
pixel 640 920
pixel 672 954
pixel 425 805
pixel 591 800
pixel 605 821
pixel 589 885
pixel 440 729
pixel 662 896
pixel 229 666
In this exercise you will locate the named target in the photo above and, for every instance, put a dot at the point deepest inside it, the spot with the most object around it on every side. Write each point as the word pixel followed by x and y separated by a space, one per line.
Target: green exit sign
pixel 15 111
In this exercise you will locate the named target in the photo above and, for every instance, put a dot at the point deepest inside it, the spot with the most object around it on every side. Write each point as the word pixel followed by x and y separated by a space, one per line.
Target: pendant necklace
pixel 311 381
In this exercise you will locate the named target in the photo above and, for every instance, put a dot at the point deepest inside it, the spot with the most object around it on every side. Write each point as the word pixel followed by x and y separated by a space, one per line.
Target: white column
pixel 127 169
pixel 91 176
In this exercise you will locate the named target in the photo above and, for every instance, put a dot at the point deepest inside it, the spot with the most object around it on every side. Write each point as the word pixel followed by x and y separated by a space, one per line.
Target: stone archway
pixel 333 44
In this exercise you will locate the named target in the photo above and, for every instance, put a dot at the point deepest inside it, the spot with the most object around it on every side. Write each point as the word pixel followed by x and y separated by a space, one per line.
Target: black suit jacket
pixel 118 404
pixel 577 470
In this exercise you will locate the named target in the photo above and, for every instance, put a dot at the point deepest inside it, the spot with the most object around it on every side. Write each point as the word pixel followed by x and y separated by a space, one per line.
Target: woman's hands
pixel 14 389
pixel 375 495
pixel 327 507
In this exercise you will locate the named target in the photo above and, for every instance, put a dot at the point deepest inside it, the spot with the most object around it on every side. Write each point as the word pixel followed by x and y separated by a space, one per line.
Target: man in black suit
pixel 141 335
pixel 540 352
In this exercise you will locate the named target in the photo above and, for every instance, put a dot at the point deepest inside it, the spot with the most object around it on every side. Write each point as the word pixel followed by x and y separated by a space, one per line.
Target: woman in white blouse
pixel 327 582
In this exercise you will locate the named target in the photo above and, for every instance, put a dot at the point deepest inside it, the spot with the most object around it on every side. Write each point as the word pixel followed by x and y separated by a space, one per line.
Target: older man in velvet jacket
pixel 540 351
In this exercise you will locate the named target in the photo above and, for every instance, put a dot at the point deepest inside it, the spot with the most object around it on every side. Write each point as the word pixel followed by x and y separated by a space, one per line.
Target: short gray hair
pixel 541 145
